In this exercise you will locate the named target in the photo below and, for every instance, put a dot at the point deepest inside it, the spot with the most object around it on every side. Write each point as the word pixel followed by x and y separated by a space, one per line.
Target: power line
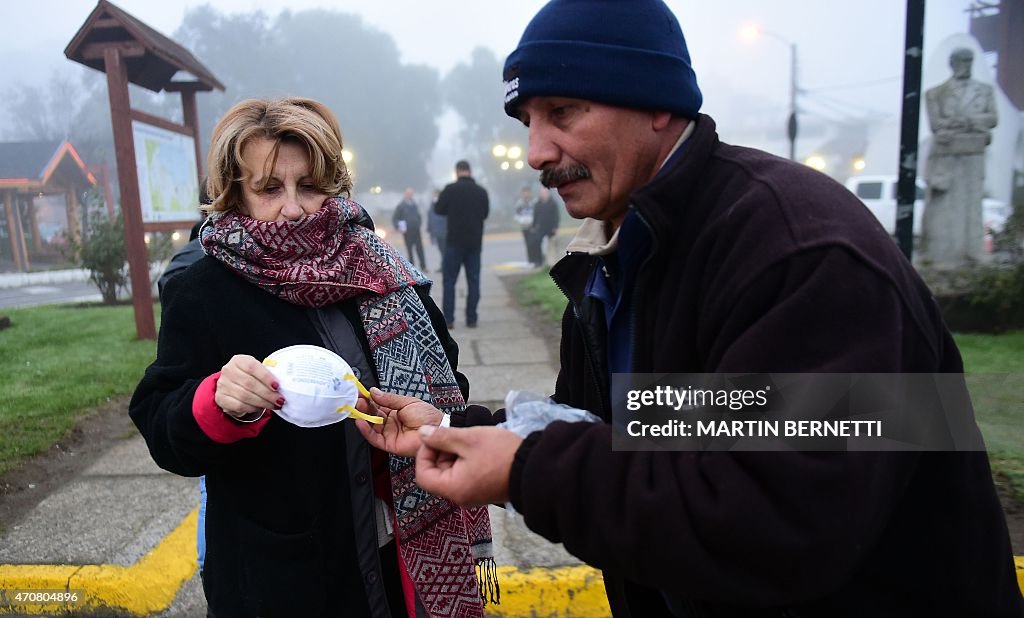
pixel 881 80
pixel 845 106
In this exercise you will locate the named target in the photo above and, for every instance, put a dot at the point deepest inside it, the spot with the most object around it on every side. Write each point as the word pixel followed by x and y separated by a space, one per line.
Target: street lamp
pixel 346 157
pixel 509 157
pixel 751 32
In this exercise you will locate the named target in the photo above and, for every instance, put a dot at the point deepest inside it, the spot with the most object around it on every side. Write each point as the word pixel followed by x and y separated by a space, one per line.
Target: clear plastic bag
pixel 527 412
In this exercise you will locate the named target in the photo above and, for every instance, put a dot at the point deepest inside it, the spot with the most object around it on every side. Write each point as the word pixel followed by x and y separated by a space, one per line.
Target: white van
pixel 879 194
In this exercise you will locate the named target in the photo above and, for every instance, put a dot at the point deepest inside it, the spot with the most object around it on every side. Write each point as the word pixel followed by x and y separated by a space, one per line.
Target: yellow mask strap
pixel 359 385
pixel 353 413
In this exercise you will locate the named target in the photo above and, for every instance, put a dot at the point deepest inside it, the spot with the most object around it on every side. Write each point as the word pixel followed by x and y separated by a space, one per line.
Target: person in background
pixel 524 217
pixel 182 258
pixel 466 205
pixel 408 221
pixel 303 521
pixel 700 257
pixel 437 227
pixel 544 225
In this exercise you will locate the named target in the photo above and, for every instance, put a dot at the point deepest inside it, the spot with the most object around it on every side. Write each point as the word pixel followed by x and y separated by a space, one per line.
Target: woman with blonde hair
pixel 304 521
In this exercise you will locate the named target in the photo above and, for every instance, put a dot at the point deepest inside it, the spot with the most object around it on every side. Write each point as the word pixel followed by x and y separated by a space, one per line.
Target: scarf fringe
pixel 487 576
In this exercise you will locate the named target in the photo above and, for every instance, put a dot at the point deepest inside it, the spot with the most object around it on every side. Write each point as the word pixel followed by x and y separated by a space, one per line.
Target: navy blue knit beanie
pixel 629 53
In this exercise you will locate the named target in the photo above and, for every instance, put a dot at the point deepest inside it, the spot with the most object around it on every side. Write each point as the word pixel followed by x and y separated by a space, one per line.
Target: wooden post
pixel 33 222
pixel 20 230
pixel 191 120
pixel 12 234
pixel 128 180
pixel 71 208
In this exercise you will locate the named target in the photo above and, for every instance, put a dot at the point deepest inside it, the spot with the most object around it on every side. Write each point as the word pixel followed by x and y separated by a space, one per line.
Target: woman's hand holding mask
pixel 246 389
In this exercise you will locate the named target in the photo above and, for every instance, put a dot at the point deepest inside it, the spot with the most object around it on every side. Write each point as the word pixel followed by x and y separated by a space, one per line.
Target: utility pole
pixel 791 127
pixel 906 189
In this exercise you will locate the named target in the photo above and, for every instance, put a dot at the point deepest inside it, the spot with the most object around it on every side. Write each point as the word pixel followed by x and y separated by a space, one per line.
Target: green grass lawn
pixel 995 375
pixel 539 290
pixel 57 362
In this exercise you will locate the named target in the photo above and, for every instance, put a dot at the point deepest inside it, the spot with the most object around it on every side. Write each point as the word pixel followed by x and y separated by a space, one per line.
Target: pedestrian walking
pixel 524 217
pixel 408 221
pixel 544 226
pixel 466 205
pixel 437 227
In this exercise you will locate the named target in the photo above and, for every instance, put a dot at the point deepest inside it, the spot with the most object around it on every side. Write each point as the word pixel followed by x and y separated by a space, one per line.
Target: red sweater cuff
pixel 214 422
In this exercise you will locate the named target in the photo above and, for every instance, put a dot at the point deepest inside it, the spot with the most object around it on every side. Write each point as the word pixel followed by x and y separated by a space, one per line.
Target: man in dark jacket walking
pixel 698 257
pixel 544 225
pixel 437 227
pixel 466 205
pixel 408 221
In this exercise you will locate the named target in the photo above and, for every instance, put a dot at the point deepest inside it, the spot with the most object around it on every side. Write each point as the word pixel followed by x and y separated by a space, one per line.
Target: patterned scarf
pixel 325 258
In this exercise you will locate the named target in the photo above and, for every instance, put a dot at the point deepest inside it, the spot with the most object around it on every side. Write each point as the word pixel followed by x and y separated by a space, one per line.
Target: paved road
pixel 122 532
pixel 48 294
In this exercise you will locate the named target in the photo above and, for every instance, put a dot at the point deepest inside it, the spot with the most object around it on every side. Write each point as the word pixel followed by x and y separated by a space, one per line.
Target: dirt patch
pixel 96 432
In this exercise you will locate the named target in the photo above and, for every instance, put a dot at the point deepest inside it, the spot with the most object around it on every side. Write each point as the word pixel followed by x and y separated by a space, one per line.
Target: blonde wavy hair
pixel 294 119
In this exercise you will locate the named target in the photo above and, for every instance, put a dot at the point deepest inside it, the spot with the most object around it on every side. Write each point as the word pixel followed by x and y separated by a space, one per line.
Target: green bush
pixel 986 299
pixel 101 251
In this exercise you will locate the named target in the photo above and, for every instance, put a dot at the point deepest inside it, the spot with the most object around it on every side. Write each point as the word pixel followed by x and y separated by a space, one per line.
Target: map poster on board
pixel 168 185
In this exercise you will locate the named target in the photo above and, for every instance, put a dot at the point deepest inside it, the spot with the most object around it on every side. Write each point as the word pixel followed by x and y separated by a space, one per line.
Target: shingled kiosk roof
pixel 30 166
pixel 151 58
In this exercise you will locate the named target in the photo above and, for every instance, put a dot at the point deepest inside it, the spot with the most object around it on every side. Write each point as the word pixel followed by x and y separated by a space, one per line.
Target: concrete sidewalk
pixel 121 534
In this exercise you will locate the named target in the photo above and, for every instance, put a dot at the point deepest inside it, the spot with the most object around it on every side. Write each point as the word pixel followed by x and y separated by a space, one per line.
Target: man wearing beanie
pixel 700 257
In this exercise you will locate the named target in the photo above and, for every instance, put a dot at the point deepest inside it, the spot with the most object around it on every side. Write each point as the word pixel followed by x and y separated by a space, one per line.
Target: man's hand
pixel 403 418
pixel 469 466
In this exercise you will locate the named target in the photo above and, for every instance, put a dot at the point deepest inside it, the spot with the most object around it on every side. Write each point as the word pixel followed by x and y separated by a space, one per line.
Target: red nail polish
pixel 274 385
pixel 280 401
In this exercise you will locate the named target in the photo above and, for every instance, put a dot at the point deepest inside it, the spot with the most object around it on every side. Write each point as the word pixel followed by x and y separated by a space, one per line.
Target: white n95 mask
pixel 319 387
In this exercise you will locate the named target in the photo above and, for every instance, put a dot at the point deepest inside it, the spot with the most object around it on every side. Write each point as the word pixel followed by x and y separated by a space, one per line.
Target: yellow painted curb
pixel 150 585
pixel 146 587
pixel 559 591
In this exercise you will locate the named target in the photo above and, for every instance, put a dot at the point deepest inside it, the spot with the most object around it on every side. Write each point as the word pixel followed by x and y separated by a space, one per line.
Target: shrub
pixel 986 299
pixel 1000 292
pixel 101 251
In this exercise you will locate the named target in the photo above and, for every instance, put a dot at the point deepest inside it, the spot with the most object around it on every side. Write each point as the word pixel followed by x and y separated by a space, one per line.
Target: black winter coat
pixel 466 205
pixel 545 217
pixel 762 265
pixel 290 522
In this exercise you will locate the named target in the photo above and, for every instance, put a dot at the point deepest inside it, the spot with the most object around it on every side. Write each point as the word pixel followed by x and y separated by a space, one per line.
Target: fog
pixel 849 55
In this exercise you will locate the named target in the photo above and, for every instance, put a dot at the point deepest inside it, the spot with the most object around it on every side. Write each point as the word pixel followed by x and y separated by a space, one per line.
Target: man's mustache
pixel 553 177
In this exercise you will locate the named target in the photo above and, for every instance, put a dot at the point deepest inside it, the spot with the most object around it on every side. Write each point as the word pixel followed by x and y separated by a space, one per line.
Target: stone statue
pixel 961 112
